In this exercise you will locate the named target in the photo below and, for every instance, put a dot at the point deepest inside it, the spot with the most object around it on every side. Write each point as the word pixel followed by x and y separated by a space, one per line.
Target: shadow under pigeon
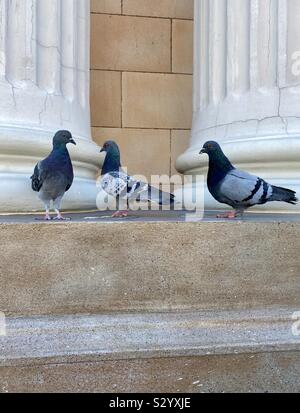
pixel 54 219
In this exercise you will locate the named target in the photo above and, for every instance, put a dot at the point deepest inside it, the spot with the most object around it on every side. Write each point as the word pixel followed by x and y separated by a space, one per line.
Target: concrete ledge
pixel 196 351
pixel 48 340
pixel 98 267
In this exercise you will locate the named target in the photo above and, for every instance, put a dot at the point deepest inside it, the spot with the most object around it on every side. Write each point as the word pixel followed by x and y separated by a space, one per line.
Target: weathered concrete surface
pixel 188 351
pixel 101 267
pixel 264 372
pixel 211 305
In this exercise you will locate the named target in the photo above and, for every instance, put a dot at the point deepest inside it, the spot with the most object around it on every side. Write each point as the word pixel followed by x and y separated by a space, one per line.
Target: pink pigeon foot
pixel 228 215
pixel 120 214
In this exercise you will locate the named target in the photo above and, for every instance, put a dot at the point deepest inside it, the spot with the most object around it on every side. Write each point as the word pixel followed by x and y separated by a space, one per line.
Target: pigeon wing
pixel 70 179
pixel 37 178
pixel 242 188
pixel 126 187
pixel 119 184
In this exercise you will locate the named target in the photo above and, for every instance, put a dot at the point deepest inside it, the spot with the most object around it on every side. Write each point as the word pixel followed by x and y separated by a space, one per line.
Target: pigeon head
pixel 211 148
pixel 111 148
pixel 112 160
pixel 217 160
pixel 62 138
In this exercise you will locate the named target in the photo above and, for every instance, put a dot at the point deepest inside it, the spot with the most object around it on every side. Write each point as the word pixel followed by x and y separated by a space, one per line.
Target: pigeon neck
pixel 112 163
pixel 219 166
pixel 60 148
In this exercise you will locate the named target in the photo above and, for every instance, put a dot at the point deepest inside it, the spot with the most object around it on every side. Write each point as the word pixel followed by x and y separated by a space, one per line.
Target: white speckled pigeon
pixel 239 189
pixel 122 186
pixel 54 175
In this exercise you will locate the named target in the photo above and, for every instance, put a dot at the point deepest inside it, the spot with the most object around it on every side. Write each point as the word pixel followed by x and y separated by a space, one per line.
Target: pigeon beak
pixel 72 141
pixel 202 151
pixel 102 150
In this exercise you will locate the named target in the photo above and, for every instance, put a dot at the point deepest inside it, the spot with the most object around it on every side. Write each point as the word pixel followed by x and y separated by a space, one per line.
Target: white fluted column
pixel 247 88
pixel 44 87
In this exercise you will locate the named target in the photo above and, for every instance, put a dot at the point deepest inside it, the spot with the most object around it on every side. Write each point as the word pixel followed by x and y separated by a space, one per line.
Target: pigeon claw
pixel 61 218
pixel 228 215
pixel 120 214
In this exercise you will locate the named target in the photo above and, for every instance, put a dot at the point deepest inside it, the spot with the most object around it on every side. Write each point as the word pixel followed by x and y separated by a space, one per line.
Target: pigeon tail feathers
pixel 283 195
pixel 159 196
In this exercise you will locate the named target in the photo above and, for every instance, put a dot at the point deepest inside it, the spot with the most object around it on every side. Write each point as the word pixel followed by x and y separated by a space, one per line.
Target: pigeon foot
pixel 61 218
pixel 120 214
pixel 46 218
pixel 228 215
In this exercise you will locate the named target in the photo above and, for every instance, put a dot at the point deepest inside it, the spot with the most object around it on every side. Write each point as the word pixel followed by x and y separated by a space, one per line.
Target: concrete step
pixel 104 267
pixel 171 352
pixel 168 306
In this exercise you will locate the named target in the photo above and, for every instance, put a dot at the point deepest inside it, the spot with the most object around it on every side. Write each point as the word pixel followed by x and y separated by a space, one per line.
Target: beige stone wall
pixel 141 80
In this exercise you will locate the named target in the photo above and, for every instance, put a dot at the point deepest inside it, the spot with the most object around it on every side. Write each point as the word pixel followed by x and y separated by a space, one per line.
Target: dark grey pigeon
pixel 122 186
pixel 53 176
pixel 239 189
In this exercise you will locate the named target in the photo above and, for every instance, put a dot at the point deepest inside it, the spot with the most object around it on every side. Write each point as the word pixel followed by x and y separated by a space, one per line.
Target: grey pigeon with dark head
pixel 122 186
pixel 53 176
pixel 239 189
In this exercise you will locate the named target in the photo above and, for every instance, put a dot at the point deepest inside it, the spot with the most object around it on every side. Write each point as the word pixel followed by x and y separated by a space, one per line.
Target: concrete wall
pixel 141 79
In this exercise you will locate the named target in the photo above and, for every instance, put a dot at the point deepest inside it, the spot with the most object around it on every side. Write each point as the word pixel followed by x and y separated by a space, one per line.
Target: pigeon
pixel 237 188
pixel 54 175
pixel 118 184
